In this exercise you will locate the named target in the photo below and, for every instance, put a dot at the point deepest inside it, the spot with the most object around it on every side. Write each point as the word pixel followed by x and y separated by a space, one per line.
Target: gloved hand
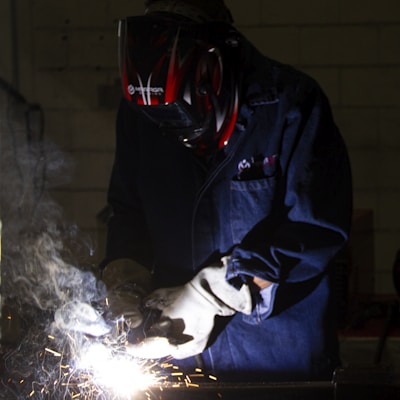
pixel 127 282
pixel 188 312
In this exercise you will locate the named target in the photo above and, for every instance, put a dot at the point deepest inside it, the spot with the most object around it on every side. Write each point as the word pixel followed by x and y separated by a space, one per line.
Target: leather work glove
pixel 127 282
pixel 187 314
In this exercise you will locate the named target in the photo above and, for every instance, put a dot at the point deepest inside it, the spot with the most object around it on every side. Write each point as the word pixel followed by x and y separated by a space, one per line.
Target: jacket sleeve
pixel 127 235
pixel 310 222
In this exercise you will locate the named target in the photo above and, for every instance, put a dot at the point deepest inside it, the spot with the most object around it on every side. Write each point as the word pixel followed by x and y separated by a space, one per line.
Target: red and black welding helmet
pixel 183 75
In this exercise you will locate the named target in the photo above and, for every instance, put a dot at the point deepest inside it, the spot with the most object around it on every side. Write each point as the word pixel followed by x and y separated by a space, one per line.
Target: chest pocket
pixel 250 202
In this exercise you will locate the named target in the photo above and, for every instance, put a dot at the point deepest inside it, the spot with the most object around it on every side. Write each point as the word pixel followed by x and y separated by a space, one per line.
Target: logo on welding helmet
pixel 145 90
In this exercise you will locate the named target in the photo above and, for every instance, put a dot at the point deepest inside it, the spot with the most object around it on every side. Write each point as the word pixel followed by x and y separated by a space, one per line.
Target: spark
pixel 176 373
pixel 54 364
pixel 55 353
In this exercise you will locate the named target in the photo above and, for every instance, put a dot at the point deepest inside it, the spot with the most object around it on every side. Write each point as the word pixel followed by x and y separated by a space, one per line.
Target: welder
pixel 230 196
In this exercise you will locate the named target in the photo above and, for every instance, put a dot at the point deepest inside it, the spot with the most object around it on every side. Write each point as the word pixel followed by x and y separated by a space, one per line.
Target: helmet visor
pixel 182 75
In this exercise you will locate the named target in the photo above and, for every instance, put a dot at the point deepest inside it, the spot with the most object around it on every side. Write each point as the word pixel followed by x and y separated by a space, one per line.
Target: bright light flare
pixel 114 370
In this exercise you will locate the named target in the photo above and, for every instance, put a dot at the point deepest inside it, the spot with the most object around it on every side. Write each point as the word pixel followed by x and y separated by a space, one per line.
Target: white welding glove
pixel 188 312
pixel 127 283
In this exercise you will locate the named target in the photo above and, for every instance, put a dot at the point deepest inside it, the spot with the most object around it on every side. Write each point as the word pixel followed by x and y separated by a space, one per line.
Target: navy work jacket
pixel 277 199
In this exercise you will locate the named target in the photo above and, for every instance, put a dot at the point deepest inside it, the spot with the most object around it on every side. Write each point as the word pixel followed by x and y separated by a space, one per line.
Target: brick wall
pixel 67 62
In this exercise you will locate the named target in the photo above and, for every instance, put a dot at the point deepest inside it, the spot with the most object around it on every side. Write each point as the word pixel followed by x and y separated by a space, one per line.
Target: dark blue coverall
pixel 277 198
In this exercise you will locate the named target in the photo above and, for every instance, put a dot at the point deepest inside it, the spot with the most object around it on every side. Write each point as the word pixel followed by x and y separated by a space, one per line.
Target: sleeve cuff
pixel 267 296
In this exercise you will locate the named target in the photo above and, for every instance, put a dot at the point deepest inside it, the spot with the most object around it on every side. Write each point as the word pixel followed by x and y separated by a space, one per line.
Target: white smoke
pixel 38 267
pixel 44 260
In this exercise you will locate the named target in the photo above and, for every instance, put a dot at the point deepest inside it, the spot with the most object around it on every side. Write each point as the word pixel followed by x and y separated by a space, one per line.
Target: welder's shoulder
pixel 265 74
pixel 292 83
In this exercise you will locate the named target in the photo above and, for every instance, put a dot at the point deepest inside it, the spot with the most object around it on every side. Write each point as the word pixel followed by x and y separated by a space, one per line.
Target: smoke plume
pixel 40 271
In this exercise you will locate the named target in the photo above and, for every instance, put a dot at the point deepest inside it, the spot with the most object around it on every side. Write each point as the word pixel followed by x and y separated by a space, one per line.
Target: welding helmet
pixel 196 10
pixel 182 75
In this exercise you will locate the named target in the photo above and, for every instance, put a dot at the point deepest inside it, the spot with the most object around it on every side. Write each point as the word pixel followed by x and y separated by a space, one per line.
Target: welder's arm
pixel 294 245
pixel 188 312
pixel 127 234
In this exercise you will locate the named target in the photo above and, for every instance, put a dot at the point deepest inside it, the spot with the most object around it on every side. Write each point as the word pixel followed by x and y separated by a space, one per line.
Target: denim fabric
pixel 264 306
pixel 277 199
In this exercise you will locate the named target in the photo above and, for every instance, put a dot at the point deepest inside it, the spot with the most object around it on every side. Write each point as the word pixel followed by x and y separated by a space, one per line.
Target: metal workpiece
pixel 253 391
pixel 357 384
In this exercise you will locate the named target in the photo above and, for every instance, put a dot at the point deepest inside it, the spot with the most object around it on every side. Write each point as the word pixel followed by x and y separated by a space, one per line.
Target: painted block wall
pixel 67 62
